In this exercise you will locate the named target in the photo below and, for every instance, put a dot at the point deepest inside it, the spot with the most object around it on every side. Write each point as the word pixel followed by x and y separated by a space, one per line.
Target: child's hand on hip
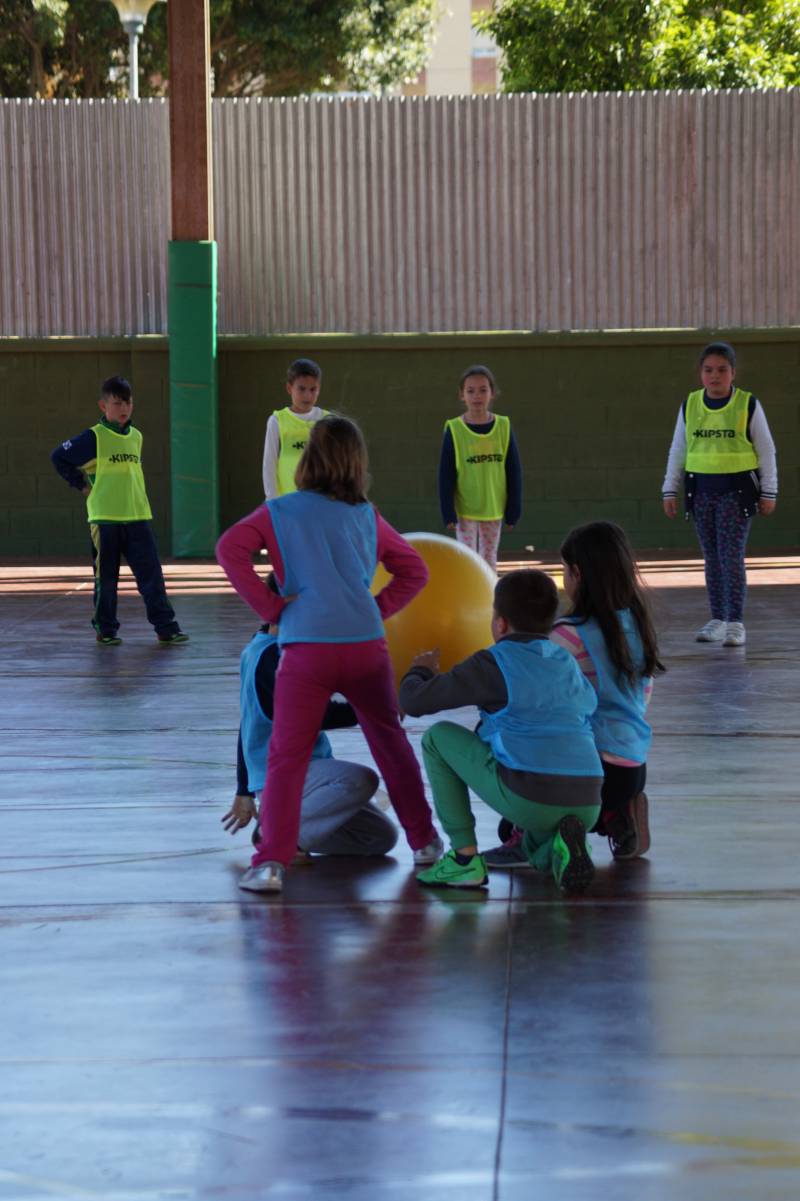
pixel 429 659
pixel 240 814
pixel 671 506
pixel 765 506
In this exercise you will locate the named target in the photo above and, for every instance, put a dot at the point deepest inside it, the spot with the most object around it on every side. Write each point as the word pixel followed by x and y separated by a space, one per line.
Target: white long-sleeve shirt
pixel 763 445
pixel 272 448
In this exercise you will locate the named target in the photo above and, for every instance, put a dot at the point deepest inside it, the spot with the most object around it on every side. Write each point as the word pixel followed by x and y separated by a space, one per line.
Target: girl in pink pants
pixel 324 542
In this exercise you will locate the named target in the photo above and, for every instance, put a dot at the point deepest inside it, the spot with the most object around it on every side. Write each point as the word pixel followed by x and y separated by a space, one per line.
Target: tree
pixel 77 48
pixel 626 45
pixel 31 33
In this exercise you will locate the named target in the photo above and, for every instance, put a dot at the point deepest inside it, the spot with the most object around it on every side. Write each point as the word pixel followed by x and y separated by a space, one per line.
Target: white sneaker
pixel 267 877
pixel 429 854
pixel 735 635
pixel 712 631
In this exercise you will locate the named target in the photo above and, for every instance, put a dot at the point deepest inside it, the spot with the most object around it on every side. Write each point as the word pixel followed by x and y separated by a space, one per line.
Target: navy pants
pixel 133 541
pixel 722 533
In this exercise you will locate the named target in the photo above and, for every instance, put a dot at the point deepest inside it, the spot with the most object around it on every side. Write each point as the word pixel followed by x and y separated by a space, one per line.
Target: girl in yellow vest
pixel 288 429
pixel 480 476
pixel 723 448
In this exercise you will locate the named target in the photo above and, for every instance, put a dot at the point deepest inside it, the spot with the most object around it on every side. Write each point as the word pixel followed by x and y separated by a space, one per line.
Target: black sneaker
pixel 108 640
pixel 173 639
pixel 573 869
pixel 510 855
pixel 628 831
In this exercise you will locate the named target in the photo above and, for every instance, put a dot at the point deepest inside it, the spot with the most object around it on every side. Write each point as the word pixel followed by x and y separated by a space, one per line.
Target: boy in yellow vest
pixel 480 477
pixel 288 429
pixel 105 464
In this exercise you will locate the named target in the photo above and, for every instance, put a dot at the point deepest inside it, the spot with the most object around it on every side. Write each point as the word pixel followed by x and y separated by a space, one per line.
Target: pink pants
pixel 308 674
pixel 481 536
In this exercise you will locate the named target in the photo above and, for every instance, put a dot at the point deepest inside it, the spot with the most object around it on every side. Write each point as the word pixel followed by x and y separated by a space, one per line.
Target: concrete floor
pixel 165 1035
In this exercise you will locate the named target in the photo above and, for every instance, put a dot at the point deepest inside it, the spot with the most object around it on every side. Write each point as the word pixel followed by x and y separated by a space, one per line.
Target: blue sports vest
pixel 329 552
pixel 545 725
pixel 619 723
pixel 255 726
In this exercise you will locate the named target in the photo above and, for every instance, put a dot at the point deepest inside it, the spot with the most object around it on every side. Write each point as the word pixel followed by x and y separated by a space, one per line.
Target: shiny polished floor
pixel 165 1035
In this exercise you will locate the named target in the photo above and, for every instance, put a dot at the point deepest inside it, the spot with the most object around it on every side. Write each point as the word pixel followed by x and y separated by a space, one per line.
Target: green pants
pixel 457 760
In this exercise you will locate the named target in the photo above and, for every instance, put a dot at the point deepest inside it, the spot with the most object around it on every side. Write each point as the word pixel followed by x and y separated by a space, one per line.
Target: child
pixel 325 541
pixel 610 633
pixel 533 757
pixel 336 817
pixel 105 464
pixel 288 429
pixel 723 446
pixel 480 477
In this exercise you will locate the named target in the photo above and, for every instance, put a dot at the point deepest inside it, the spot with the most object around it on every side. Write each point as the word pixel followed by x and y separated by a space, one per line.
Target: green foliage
pixel 77 48
pixel 389 42
pixel 626 45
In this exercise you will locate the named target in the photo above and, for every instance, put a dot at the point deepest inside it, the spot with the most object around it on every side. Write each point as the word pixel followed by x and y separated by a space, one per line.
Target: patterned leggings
pixel 481 536
pixel 722 532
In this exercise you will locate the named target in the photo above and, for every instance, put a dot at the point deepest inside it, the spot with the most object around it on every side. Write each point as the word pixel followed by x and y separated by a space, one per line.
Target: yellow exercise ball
pixel 453 611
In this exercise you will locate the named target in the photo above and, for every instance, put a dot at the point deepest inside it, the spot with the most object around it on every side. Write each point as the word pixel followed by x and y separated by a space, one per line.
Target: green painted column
pixel 192 318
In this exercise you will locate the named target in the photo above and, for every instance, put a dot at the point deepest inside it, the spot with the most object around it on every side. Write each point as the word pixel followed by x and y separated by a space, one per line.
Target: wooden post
pixel 190 120
pixel 192 299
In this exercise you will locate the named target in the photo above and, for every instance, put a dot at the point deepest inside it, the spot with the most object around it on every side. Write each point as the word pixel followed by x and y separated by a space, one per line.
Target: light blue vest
pixel 545 725
pixel 619 723
pixel 329 551
pixel 255 726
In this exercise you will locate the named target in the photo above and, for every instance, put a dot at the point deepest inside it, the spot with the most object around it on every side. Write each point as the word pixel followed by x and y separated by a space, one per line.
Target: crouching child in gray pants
pixel 337 815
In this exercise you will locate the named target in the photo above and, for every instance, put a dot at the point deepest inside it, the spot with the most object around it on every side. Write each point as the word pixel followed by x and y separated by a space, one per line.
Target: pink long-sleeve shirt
pixel 255 532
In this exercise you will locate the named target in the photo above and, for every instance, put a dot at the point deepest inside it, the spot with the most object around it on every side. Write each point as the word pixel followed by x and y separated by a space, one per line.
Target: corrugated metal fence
pixel 84 217
pixel 636 210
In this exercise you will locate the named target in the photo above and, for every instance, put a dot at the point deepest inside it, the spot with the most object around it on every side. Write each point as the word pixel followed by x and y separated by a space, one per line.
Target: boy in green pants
pixel 532 757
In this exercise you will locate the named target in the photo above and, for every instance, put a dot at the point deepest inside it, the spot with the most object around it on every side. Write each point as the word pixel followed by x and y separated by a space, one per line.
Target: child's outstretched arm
pixel 476 681
pixel 235 551
pixel 407 569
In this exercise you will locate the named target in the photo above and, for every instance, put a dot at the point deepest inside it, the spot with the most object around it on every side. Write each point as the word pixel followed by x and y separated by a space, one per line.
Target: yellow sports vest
pixel 294 436
pixel 716 439
pixel 118 492
pixel 480 469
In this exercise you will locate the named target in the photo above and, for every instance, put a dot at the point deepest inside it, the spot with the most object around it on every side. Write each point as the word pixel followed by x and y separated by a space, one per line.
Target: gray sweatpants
pixel 336 817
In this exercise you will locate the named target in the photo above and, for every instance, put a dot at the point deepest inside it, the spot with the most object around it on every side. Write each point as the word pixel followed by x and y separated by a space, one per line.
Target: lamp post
pixel 133 15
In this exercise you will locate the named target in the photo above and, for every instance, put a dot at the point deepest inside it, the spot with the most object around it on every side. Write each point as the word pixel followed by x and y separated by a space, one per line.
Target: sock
pixel 463 860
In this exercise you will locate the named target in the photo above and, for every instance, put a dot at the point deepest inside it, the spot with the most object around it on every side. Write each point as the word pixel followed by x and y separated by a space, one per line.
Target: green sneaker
pixel 108 640
pixel 447 872
pixel 173 639
pixel 573 869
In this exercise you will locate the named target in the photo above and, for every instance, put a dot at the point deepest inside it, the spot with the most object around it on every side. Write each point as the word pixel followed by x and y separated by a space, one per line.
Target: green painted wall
pixel 48 391
pixel 593 414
